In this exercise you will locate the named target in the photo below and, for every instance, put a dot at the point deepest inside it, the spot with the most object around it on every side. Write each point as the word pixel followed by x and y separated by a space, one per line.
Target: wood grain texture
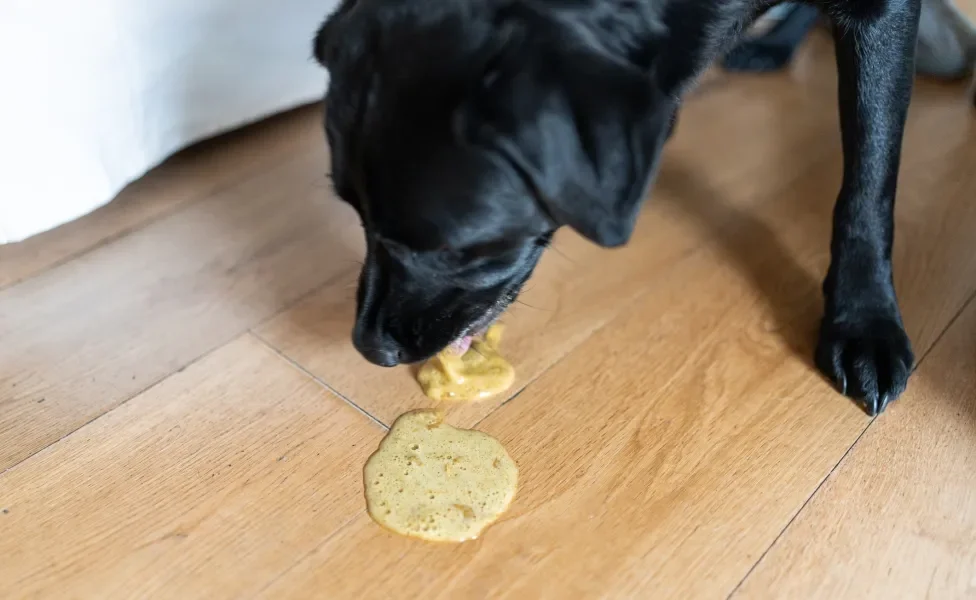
pixel 665 454
pixel 190 175
pixel 897 519
pixel 81 338
pixel 207 485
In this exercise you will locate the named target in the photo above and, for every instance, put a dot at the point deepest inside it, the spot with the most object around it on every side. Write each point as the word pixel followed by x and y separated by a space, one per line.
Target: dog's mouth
pixel 461 345
pixel 475 330
pixel 478 328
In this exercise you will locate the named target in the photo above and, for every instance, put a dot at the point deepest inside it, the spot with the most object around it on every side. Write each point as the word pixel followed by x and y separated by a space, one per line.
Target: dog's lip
pixel 480 325
pixel 461 344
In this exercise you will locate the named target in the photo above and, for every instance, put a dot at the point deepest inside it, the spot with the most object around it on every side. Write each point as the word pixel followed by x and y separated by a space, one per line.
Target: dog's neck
pixel 632 30
pixel 676 38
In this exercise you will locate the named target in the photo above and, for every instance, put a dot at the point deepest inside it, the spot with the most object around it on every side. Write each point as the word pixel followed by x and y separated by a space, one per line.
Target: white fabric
pixel 94 94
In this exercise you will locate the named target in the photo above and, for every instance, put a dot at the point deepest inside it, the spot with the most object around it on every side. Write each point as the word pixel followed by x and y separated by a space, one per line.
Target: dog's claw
pixel 877 405
pixel 872 406
pixel 868 361
pixel 884 403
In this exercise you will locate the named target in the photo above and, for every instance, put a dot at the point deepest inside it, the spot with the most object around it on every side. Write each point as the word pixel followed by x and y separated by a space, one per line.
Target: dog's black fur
pixel 465 132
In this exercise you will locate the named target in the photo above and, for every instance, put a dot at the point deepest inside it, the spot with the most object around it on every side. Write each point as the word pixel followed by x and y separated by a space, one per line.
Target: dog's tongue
pixel 461 345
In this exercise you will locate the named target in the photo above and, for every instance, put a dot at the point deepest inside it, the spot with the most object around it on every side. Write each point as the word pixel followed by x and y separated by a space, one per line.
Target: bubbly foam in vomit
pixel 480 372
pixel 438 483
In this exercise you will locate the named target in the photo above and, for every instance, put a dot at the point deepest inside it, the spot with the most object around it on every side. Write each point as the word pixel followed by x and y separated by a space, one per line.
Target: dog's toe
pixel 868 361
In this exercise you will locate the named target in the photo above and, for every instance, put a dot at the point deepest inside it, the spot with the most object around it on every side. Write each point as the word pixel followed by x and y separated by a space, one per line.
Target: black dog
pixel 465 132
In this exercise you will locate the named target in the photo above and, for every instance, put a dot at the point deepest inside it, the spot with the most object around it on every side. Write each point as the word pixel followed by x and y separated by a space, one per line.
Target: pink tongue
pixel 461 346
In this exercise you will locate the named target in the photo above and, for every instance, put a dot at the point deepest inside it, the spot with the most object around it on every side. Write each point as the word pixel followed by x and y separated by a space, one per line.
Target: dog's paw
pixel 869 361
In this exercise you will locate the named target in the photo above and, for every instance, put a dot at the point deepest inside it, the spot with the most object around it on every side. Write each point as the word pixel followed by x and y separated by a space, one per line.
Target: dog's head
pixel 465 132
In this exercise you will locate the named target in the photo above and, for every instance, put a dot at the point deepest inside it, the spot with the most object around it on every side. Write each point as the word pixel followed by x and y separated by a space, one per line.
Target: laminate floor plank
pixel 208 485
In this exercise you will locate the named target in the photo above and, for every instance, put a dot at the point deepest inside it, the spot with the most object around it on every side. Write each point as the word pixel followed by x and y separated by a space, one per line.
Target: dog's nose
pixel 383 357
pixel 377 347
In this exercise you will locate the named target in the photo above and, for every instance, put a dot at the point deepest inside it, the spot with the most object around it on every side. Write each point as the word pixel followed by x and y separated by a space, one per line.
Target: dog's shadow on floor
pixel 791 292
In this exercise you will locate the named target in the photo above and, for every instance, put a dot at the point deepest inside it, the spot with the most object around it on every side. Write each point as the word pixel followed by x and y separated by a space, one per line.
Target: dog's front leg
pixel 863 346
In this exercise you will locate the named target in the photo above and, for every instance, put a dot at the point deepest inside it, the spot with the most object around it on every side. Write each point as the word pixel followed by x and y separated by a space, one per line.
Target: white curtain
pixel 94 94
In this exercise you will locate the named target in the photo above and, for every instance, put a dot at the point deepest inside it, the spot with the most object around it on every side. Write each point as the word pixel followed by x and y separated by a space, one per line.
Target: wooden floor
pixel 182 414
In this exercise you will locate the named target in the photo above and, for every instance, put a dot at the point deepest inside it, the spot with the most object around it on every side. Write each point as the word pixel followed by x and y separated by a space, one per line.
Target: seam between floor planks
pixel 102 415
pixel 843 459
pixel 318 379
pixel 247 334
pixel 800 510
pixel 205 354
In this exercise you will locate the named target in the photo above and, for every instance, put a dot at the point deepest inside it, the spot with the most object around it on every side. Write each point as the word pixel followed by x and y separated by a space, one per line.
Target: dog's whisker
pixel 520 302
pixel 558 251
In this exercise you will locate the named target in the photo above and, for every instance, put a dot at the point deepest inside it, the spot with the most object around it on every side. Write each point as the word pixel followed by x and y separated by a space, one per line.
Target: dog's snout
pixel 381 356
pixel 377 347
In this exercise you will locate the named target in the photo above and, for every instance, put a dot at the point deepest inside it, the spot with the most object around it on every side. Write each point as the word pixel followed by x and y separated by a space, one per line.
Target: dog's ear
pixel 338 34
pixel 583 129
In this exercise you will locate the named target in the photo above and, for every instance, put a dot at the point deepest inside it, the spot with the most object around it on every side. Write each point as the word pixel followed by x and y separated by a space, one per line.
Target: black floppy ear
pixel 583 129
pixel 334 35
